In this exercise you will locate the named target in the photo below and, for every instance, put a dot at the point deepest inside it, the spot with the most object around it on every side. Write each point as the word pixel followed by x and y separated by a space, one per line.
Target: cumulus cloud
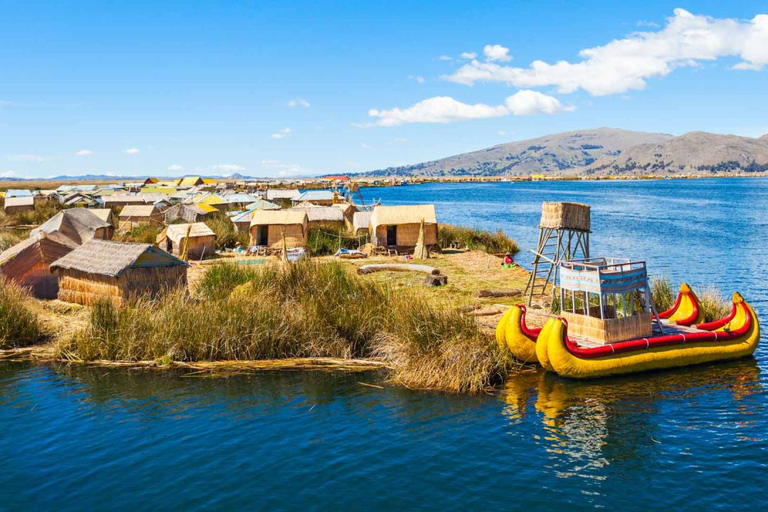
pixel 282 168
pixel 283 132
pixel 444 109
pixel 132 151
pixel 175 167
pixel 469 55
pixel 418 78
pixel 228 168
pixel 83 152
pixel 298 102
pixel 496 52
pixel 444 58
pixel 625 64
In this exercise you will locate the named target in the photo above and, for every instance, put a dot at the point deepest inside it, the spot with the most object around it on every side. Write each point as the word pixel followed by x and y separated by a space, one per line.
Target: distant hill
pixel 604 151
pixel 692 153
pixel 544 155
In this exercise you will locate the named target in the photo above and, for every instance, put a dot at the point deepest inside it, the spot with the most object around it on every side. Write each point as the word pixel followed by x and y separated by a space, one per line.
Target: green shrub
pixel 472 238
pixel 19 326
pixel 227 235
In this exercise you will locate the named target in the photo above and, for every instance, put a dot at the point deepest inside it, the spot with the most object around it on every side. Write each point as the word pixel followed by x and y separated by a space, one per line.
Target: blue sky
pixel 294 88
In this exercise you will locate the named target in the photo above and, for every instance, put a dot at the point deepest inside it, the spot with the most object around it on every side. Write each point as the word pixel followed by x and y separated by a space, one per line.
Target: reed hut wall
pixel 407 235
pixel 88 289
pixel 295 236
pixel 198 248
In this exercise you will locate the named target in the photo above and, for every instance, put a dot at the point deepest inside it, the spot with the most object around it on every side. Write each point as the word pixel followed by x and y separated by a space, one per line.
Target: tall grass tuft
pixel 663 294
pixel 19 326
pixel 43 211
pixel 227 235
pixel 472 238
pixel 308 309
pixel 713 305
pixel 323 241
pixel 141 234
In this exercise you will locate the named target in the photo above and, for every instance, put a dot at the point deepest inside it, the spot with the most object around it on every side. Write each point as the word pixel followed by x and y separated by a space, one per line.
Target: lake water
pixel 692 439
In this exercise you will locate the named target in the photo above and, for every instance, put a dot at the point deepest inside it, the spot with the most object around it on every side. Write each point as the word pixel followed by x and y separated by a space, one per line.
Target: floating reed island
pixel 280 283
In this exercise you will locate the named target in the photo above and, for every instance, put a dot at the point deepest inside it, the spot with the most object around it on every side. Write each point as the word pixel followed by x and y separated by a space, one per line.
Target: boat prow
pixel 686 310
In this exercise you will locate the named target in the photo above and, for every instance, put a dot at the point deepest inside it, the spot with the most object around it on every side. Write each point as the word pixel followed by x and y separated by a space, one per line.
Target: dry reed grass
pixel 304 310
pixel 19 326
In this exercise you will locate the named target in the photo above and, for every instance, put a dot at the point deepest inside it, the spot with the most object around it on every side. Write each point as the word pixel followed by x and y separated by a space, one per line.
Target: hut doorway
pixel 391 235
pixel 262 235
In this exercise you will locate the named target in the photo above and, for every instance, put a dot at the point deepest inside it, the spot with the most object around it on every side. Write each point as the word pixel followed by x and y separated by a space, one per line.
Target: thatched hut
pixel 281 197
pixel 268 227
pixel 361 221
pixel 399 226
pixel 318 197
pixel 116 271
pixel 105 214
pixel 195 241
pixel 327 217
pixel 136 215
pixel 28 263
pixel 14 205
pixel 78 224
pixel 190 213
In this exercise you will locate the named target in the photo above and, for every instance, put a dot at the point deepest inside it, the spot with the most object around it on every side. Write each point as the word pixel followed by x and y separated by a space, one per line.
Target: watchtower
pixel 563 235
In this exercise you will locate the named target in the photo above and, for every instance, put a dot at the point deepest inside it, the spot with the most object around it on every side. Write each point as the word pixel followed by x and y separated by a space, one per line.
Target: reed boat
pixel 676 342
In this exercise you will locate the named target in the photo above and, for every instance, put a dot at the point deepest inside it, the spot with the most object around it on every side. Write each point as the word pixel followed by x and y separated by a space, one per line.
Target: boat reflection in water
pixel 587 424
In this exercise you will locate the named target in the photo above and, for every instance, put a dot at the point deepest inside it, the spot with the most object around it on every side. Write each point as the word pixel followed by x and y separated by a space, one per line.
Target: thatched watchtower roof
pixel 106 258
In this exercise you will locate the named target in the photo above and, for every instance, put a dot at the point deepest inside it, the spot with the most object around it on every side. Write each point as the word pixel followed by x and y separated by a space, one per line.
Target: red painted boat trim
pixel 531 334
pixel 711 326
pixel 665 341
pixel 668 313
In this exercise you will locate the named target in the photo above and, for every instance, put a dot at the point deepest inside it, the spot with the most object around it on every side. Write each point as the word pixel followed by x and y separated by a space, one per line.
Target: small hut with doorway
pixel 268 227
pixel 137 215
pixel 117 271
pixel 188 241
pixel 28 262
pixel 14 205
pixel 399 227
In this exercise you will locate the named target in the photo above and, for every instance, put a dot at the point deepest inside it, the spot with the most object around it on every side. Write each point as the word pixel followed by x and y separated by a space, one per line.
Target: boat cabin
pixel 607 300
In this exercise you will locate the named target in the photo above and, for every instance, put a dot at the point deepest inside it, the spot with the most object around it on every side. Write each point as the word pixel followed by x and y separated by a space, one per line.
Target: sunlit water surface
pixel 693 439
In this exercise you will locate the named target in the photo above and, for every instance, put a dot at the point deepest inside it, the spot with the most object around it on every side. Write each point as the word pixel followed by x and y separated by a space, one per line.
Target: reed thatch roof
pixel 39 247
pixel 137 211
pixel 361 220
pixel 78 224
pixel 322 213
pixel 177 232
pixel 107 258
pixel 399 215
pixel 105 214
pixel 19 201
pixel 278 217
pixel 278 193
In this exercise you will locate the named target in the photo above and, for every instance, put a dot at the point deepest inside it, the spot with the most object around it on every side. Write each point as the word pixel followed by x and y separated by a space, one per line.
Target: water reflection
pixel 588 424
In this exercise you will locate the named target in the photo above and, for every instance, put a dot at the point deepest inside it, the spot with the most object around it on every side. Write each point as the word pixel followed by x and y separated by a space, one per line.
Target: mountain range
pixel 602 151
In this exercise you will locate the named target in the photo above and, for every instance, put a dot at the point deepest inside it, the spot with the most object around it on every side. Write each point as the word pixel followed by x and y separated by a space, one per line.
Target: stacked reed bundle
pixel 609 330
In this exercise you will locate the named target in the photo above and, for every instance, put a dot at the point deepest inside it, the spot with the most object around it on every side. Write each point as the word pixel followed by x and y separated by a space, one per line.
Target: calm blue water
pixel 694 439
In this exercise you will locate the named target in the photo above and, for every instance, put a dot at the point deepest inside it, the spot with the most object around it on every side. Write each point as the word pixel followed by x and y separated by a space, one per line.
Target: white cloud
pixel 501 132
pixel 283 132
pixel 228 168
pixel 282 168
pixel 8 174
pixel 132 151
pixel 26 158
pixel 496 52
pixel 626 64
pixel 364 145
pixel 469 55
pixel 298 102
pixel 444 109
pixel 651 24
pixel 418 78
pixel 444 58
pixel 399 140
pixel 84 152
pixel 175 167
